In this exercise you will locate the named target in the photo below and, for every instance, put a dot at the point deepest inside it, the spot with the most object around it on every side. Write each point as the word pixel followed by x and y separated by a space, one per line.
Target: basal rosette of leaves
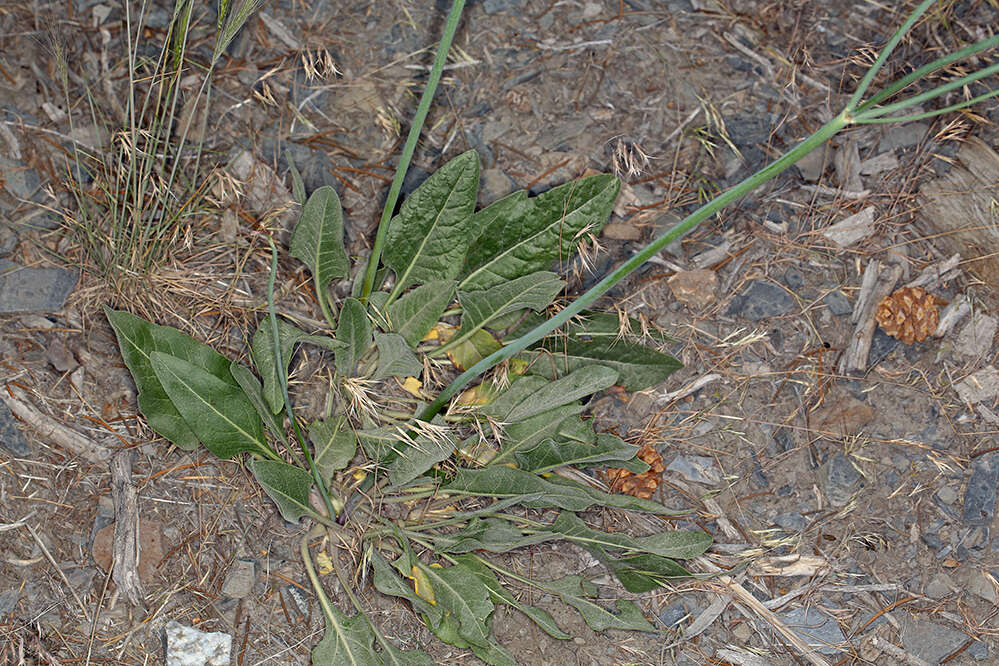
pixel 447 281
pixel 518 440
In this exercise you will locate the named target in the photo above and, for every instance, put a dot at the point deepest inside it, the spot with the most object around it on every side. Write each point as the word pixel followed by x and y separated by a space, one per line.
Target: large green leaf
pixel 354 331
pixel 387 581
pixel 641 573
pixel 520 389
pixel 255 392
pixel 318 243
pixel 137 339
pixel 575 591
pixel 535 291
pixel 428 239
pixel 507 208
pixel 348 641
pixel 395 358
pixel 499 593
pixel 333 443
pixel 638 366
pixel 591 325
pixel 492 534
pixel 613 500
pixel 417 455
pixel 527 434
pixel 579 383
pixel 460 595
pixel 530 235
pixel 380 444
pixel 555 492
pixel 413 315
pixel 270 370
pixel 675 544
pixel 550 454
pixel 503 481
pixel 287 485
pixel 218 413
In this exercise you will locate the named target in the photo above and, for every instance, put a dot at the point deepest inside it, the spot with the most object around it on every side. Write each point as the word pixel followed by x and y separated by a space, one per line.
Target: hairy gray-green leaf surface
pixel 535 291
pixel 334 445
pixel 499 593
pixel 395 358
pixel 529 235
pixel 638 367
pixel 462 596
pixel 428 239
pixel 354 332
pixel 255 392
pixel 218 413
pixel 413 315
pixel 287 485
pixel 550 454
pixel 137 339
pixel 318 243
pixel 263 355
pixel 347 641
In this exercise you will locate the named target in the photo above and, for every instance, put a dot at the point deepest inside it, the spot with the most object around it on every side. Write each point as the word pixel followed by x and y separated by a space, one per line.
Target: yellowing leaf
pixel 479 345
pixel 519 366
pixel 442 332
pixel 477 395
pixel 325 563
pixel 412 385
pixel 422 586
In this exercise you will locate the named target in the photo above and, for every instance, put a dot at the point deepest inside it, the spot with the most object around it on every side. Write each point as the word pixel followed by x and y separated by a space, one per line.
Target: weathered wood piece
pixel 877 284
pixel 125 566
pixel 959 212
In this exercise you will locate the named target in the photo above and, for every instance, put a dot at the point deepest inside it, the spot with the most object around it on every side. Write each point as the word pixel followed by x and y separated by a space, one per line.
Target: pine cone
pixel 910 314
pixel 638 485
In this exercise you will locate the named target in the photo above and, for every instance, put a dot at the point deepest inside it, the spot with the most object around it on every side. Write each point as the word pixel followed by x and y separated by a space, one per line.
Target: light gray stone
pixel 929 641
pixel 979 386
pixel 939 586
pixel 699 469
pixel 34 289
pixel 239 581
pixel 186 646
pixel 975 339
pixel 818 630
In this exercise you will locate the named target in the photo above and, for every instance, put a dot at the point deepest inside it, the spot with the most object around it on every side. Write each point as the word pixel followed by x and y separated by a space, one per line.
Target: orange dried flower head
pixel 909 314
pixel 638 485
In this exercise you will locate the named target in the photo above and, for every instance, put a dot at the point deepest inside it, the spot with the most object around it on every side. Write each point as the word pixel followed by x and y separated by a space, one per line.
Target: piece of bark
pixel 125 566
pixel 957 310
pixel 958 212
pixel 940 273
pixel 875 290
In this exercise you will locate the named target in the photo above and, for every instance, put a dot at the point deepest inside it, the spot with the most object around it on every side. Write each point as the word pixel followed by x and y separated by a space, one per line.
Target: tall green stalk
pixel 407 151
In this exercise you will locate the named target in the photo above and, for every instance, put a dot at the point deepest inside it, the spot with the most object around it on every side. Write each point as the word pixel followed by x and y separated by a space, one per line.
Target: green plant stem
pixel 929 68
pixel 882 58
pixel 333 506
pixel 410 147
pixel 820 136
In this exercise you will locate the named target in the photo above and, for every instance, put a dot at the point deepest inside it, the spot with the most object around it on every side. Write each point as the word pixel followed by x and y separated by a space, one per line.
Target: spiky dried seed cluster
pixel 638 485
pixel 909 314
